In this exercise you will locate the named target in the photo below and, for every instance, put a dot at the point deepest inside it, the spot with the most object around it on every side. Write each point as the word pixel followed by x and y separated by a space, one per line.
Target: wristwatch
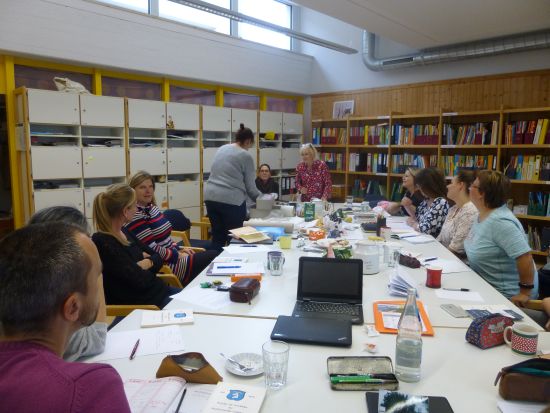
pixel 526 286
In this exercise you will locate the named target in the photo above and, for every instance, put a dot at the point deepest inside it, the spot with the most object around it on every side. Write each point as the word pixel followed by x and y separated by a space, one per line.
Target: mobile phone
pixel 455 310
pixel 223 287
pixel 515 316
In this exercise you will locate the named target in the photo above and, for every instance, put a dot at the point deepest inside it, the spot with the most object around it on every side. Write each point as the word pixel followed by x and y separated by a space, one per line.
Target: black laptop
pixel 330 288
pixel 323 331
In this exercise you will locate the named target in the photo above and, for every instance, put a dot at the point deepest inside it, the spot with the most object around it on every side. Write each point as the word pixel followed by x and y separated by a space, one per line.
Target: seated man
pixel 49 277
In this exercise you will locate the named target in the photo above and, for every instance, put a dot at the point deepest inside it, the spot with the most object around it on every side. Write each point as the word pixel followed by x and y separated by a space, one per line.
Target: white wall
pixel 335 71
pixel 84 32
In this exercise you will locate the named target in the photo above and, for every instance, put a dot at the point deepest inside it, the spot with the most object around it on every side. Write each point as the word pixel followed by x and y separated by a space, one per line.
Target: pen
pixel 357 379
pixel 181 400
pixel 430 259
pixel 133 353
pixel 457 289
pixel 248 246
pixel 229 266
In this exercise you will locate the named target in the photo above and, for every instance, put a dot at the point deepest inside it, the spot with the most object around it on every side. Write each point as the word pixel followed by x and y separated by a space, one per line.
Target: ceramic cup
pixel 433 277
pixel 522 338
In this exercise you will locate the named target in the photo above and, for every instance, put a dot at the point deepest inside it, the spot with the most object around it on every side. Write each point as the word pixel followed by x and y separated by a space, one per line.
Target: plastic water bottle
pixel 408 346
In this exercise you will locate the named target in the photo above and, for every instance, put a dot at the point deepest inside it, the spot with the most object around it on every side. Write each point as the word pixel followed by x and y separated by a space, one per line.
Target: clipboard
pixel 379 322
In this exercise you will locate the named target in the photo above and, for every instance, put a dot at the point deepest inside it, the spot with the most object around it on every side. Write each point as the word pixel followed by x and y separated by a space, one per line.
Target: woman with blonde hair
pixel 312 175
pixel 412 198
pixel 152 228
pixel 129 267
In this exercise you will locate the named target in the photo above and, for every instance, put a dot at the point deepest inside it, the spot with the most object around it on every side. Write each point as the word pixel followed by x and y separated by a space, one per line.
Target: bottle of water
pixel 408 347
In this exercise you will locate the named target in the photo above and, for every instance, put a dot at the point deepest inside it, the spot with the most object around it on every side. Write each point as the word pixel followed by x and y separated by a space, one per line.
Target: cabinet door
pixel 254 154
pixel 248 117
pixel 101 111
pixel 271 122
pixel 293 123
pixel 183 161
pixel 56 162
pixel 51 197
pixel 161 195
pixel 216 119
pixel 46 106
pixel 291 157
pixel 152 160
pixel 184 194
pixel 194 214
pixel 149 114
pixel 271 156
pixel 183 115
pixel 208 158
pixel 103 162
pixel 89 195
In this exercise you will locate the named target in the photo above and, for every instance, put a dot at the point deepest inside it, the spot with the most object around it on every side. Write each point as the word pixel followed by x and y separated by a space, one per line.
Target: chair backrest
pixel 544 283
pixel 178 220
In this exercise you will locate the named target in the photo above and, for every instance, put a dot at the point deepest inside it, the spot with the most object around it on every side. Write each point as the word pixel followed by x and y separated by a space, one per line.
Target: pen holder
pixel 192 367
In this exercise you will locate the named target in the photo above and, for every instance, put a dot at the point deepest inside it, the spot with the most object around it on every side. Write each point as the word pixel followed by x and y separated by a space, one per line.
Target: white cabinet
pixel 183 161
pixel 208 158
pixel 291 157
pixel 184 194
pixel 271 122
pixel 51 197
pixel 103 162
pixel 56 162
pixel 148 114
pixel 152 160
pixel 183 116
pixel 293 124
pixel 101 111
pixel 271 156
pixel 161 195
pixel 245 116
pixel 216 119
pixel 49 107
pixel 89 195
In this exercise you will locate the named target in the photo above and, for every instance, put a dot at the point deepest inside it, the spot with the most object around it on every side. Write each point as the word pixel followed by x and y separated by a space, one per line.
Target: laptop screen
pixel 330 279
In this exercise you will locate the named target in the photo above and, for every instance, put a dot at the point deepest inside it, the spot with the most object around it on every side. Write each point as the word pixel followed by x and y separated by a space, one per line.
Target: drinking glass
pixel 275 357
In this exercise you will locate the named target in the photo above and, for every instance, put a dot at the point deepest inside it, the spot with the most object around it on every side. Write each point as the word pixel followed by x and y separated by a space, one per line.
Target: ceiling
pixel 430 23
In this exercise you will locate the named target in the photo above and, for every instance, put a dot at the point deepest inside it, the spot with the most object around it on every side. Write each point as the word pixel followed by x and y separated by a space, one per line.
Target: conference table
pixel 451 367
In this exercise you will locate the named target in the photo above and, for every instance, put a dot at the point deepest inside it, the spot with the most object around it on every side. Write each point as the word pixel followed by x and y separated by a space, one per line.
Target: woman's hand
pixel 145 264
pixel 520 299
pixel 406 201
pixel 145 255
pixel 183 254
pixel 187 250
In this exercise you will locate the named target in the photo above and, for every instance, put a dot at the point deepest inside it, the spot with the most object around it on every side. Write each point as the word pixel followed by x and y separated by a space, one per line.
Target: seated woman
pixel 152 228
pixel 89 340
pixel 496 246
pixel 432 211
pixel 410 200
pixel 129 267
pixel 312 176
pixel 264 182
pixel 461 215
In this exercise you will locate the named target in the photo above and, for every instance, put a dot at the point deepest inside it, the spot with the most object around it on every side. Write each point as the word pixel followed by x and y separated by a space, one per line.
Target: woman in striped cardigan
pixel 151 227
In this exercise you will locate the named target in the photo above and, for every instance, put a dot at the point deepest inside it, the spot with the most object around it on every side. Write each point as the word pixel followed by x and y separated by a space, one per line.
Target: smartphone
pixel 455 310
pixel 515 316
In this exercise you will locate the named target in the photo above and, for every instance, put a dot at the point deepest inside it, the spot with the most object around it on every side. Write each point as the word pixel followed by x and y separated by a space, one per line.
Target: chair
pixel 169 278
pixel 534 305
pixel 115 312
pixel 181 226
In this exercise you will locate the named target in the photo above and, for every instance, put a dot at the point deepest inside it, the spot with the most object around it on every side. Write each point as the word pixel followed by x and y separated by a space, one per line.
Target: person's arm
pixel 100 390
pixel 392 208
pixel 546 309
pixel 526 271
pixel 298 180
pixel 140 230
pixel 250 177
pixel 407 203
pixel 327 182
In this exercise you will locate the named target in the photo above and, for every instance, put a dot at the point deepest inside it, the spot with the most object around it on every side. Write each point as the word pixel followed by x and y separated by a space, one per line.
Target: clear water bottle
pixel 408 347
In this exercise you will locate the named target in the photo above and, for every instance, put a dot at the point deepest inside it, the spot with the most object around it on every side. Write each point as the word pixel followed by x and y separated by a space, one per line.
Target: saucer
pixel 251 360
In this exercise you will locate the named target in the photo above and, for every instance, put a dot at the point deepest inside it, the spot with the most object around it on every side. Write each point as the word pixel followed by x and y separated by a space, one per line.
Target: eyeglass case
pixel 362 365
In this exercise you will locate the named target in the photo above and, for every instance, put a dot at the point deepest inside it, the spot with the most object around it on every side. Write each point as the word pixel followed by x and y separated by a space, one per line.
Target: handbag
pixel 526 381
pixel 488 331
pixel 408 261
pixel 244 290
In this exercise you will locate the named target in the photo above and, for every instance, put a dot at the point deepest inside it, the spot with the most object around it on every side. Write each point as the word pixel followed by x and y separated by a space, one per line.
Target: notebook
pixel 330 288
pixel 323 331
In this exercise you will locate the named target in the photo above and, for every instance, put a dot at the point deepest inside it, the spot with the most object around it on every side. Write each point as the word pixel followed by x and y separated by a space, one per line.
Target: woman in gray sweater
pixel 232 178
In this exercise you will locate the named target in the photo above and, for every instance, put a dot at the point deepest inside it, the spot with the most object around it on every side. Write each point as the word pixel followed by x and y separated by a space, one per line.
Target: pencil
pixel 133 353
pixel 181 400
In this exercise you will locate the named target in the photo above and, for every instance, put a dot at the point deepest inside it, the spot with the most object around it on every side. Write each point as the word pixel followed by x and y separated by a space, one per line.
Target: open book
pixel 249 235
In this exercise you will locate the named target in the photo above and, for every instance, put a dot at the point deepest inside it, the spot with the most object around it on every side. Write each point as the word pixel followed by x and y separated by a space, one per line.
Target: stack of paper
pixel 400 282
pixel 232 268
pixel 249 234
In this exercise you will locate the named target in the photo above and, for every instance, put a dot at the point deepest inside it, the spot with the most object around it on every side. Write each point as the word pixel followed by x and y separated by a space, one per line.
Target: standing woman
pixel 312 175
pixel 231 180
pixel 152 228
pixel 264 182
pixel 129 267
pixel 432 211
pixel 497 247
pixel 410 200
pixel 461 215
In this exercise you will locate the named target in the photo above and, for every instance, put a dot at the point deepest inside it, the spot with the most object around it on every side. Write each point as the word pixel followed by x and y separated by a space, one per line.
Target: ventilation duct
pixel 482 48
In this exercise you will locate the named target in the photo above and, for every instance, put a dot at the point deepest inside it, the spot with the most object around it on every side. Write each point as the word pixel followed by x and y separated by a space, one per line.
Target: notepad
pixel 166 317
pixel 235 398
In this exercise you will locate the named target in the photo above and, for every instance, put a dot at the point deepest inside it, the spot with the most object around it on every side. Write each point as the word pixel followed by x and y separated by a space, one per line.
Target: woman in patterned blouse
pixel 312 175
pixel 461 215
pixel 431 213
pixel 151 227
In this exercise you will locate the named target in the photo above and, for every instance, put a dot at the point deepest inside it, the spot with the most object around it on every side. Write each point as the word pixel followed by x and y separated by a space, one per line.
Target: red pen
pixel 133 353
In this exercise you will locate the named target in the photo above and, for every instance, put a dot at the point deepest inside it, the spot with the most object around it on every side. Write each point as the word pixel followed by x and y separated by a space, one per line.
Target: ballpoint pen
pixel 133 353
pixel 430 259
pixel 229 266
pixel 181 400
pixel 457 289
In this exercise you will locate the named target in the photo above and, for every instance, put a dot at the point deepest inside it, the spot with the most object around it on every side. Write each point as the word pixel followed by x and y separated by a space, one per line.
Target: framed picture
pixel 342 109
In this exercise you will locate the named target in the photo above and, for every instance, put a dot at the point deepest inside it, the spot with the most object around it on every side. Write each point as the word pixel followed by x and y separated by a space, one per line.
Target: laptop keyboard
pixel 316 307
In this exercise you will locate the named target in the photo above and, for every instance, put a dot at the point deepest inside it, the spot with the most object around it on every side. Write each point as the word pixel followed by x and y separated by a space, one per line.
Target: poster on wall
pixel 342 109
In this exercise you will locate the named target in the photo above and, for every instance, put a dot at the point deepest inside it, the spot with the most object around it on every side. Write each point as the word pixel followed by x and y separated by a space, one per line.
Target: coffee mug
pixel 433 277
pixel 523 340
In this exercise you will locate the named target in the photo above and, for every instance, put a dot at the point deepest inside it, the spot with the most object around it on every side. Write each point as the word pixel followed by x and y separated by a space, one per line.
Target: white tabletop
pixel 451 367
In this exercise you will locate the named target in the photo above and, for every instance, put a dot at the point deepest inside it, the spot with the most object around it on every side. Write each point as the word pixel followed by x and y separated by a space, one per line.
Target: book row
pixel 528 167
pixel 452 164
pixel 527 132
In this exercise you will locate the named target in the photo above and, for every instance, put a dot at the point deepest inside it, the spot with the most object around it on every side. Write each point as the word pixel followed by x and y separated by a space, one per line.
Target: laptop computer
pixel 323 331
pixel 330 288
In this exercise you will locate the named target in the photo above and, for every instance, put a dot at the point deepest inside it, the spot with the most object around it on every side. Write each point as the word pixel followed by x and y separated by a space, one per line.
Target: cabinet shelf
pixel 533 217
pixel 368 173
pixel 519 181
pixel 526 146
pixel 369 146
pixel 469 146
pixel 414 146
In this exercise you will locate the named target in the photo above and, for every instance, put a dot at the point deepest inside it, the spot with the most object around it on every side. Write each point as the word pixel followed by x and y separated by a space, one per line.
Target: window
pixel 130 88
pixel 185 14
pixel 271 11
pixel 238 100
pixel 38 78
pixel 137 5
pixel 196 96
pixel 282 105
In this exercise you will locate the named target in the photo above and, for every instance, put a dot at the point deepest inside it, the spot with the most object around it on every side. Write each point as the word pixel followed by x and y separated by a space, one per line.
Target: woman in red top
pixel 312 175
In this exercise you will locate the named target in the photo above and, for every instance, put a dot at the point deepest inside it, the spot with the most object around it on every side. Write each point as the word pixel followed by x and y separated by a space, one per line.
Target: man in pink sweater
pixel 49 289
